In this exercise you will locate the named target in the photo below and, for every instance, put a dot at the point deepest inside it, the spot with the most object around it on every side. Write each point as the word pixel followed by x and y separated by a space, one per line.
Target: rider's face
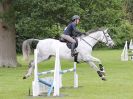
pixel 77 21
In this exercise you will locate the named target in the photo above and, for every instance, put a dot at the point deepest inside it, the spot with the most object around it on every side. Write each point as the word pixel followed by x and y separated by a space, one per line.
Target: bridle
pixel 106 37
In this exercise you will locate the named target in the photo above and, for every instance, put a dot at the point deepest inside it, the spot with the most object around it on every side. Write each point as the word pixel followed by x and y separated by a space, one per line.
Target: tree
pixel 7 34
pixel 129 9
pixel 47 18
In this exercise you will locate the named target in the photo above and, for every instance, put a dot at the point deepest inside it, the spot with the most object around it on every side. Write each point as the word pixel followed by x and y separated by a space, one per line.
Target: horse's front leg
pixel 91 61
pixel 102 69
pixel 98 61
pixel 99 72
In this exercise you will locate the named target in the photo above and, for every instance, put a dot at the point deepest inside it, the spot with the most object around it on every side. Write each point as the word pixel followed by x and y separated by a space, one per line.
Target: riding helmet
pixel 75 17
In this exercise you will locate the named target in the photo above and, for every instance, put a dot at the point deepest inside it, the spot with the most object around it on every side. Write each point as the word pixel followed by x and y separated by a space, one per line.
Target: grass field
pixel 119 84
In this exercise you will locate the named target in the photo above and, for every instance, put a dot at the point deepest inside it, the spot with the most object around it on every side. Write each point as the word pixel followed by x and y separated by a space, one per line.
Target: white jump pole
pixel 60 77
pixel 57 74
pixel 131 45
pixel 124 55
pixel 131 50
pixel 75 76
pixel 35 83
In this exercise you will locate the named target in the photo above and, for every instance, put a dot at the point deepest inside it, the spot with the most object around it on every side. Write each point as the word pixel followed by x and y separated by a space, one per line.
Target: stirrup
pixel 74 54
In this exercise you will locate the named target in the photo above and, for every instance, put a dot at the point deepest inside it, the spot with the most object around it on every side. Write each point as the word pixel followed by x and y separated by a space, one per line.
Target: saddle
pixel 69 46
pixel 69 43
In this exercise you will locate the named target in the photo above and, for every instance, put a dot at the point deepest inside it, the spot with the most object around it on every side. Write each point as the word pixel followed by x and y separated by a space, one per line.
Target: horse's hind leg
pixel 31 64
pixel 30 69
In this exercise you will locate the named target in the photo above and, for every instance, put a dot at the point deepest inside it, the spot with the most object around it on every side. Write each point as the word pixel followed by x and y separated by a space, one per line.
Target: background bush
pixel 47 18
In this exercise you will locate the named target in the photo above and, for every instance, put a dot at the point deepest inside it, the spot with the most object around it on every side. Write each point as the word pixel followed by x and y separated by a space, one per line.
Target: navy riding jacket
pixel 71 30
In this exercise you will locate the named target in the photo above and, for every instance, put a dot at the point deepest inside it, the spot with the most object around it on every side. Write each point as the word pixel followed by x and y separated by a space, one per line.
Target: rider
pixel 70 32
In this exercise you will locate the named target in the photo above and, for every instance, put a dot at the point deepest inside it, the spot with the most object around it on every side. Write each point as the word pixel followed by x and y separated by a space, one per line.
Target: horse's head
pixel 106 38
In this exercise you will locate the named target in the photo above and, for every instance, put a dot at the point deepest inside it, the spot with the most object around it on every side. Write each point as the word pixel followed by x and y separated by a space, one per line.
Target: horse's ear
pixel 106 30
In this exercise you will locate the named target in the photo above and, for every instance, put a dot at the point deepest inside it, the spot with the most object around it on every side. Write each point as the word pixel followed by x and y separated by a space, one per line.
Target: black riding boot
pixel 72 49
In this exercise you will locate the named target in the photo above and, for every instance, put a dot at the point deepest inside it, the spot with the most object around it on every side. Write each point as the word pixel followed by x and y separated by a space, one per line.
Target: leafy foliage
pixel 129 9
pixel 47 18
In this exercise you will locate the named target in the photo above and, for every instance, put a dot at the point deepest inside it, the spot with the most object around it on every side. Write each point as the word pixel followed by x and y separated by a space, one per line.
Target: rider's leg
pixel 70 39
pixel 73 52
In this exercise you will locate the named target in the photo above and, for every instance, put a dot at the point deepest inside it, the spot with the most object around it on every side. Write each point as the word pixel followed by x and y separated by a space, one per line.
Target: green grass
pixel 119 84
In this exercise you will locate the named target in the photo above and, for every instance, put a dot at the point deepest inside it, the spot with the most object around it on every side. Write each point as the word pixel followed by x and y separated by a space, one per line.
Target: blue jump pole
pixel 44 82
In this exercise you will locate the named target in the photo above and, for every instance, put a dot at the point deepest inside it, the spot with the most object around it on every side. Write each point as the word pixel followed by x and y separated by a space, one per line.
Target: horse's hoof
pixel 24 77
pixel 103 78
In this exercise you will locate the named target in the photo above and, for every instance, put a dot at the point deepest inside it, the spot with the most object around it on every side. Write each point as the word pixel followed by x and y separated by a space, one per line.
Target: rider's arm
pixel 75 31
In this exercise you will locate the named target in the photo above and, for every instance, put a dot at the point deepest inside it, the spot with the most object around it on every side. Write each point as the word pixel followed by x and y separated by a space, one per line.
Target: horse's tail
pixel 26 49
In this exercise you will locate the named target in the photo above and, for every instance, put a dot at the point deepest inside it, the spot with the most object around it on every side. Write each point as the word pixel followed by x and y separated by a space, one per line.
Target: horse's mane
pixel 96 29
